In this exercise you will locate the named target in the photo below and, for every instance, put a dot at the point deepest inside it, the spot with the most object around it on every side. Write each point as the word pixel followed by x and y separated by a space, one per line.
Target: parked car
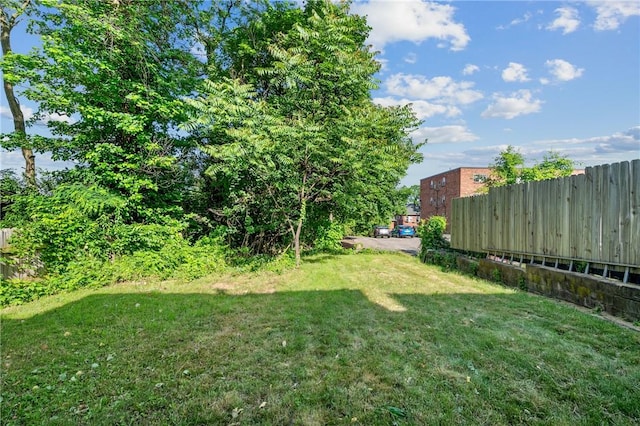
pixel 403 231
pixel 381 231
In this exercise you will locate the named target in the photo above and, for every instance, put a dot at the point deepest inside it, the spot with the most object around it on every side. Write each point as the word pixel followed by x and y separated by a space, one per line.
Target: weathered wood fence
pixel 592 218
pixel 10 265
pixel 7 270
pixel 5 234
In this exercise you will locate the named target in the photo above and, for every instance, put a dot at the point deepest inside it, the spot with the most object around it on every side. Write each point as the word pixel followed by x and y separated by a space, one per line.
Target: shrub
pixel 16 292
pixel 177 259
pixel 431 233
pixel 329 236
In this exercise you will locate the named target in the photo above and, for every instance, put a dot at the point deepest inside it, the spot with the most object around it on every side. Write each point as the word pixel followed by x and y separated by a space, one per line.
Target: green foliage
pixel 329 236
pixel 410 195
pixel 580 266
pixel 434 248
pixel 431 233
pixel 262 262
pixel 282 134
pixel 444 258
pixel 16 291
pixel 114 73
pixel 176 259
pixel 522 284
pixel 10 187
pixel 473 268
pixel 76 222
pixel 294 134
pixel 553 166
pixel 508 168
pixel 496 275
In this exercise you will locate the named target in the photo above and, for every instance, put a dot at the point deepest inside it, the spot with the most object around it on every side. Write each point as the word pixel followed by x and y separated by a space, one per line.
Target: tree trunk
pixel 296 242
pixel 7 24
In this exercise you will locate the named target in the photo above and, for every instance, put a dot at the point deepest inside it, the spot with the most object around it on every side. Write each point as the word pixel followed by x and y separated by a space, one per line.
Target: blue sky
pixel 538 75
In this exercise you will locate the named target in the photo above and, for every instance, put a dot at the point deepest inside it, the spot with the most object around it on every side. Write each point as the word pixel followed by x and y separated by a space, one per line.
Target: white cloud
pixel 568 20
pixel 384 64
pixel 515 72
pixel 444 134
pixel 470 69
pixel 411 58
pixel 439 89
pixel 14 160
pixel 422 109
pixel 514 105
pixel 561 70
pixel 610 14
pixel 585 152
pixel 626 143
pixel 47 117
pixel 525 18
pixel 27 112
pixel 414 21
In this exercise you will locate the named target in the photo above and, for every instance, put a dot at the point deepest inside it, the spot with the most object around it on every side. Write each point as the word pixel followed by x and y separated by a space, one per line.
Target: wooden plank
pixel 577 213
pixel 564 227
pixel 634 234
pixel 539 222
pixel 624 213
pixel 600 175
pixel 610 219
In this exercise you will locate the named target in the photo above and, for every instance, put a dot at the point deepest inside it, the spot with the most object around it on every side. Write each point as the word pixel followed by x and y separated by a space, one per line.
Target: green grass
pixel 370 339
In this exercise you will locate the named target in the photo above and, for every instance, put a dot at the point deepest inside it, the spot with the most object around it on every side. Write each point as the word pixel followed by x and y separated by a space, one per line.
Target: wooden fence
pixel 6 270
pixel 10 266
pixel 594 217
pixel 5 234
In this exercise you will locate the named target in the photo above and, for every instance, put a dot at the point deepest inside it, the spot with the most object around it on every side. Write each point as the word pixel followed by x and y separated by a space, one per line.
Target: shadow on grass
pixel 317 357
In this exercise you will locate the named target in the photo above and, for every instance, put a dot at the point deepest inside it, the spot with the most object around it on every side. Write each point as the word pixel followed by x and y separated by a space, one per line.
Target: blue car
pixel 403 231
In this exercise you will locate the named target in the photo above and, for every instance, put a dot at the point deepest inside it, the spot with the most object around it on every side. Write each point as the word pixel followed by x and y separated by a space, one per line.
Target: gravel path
pixel 407 245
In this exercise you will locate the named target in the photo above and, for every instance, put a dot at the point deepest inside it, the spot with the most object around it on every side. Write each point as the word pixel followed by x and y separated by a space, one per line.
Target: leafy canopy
pixel 297 133
pixel 508 168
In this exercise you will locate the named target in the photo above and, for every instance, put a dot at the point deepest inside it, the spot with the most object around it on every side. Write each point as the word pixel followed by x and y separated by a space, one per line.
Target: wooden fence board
pixel 634 233
pixel 593 217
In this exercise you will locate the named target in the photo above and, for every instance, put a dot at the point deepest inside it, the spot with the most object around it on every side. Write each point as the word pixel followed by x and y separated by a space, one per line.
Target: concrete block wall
pixel 616 298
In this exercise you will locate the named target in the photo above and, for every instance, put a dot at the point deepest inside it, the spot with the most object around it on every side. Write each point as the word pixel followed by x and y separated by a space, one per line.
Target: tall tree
pixel 297 131
pixel 117 71
pixel 508 168
pixel 10 14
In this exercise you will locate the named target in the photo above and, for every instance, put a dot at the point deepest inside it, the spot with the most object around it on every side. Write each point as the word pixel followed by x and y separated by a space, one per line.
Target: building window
pixel 478 178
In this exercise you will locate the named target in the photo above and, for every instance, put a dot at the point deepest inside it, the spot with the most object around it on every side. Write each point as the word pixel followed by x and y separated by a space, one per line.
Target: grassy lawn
pixel 371 339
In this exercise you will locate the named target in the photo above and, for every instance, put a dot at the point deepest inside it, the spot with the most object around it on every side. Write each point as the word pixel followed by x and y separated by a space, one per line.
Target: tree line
pixel 250 123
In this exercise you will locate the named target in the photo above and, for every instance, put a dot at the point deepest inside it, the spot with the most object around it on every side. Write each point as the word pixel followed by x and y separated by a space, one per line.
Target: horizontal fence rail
pixel 594 217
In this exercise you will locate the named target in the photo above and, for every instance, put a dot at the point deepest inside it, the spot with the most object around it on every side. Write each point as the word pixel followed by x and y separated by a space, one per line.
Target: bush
pixel 16 292
pixel 329 237
pixel 431 233
pixel 177 259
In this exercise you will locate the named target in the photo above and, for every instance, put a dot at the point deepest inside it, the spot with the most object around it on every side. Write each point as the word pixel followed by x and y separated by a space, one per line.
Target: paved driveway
pixel 407 245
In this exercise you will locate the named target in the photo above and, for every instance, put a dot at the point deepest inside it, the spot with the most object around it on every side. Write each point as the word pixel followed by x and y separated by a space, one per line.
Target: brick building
pixel 411 218
pixel 437 191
